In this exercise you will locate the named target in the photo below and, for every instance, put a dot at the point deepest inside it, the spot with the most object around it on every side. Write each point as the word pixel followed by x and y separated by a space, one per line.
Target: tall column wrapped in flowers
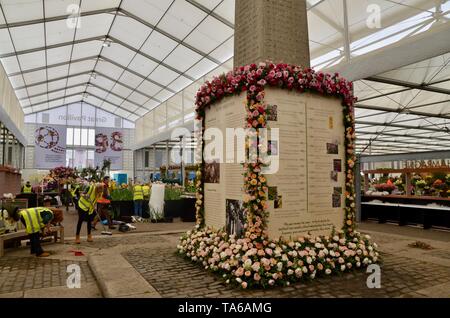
pixel 256 260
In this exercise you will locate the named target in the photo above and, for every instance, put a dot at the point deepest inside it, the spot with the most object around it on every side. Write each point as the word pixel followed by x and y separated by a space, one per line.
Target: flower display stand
pixel 292 214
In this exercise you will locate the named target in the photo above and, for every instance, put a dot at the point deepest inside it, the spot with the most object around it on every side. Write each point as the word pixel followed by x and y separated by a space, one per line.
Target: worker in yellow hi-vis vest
pixel 27 188
pixel 86 208
pixel 35 221
pixel 138 198
pixel 146 191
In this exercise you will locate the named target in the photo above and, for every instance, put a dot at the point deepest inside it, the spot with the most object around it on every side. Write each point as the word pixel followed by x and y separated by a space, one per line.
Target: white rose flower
pixel 342 268
pixel 290 272
pixel 309 260
pixel 279 266
pixel 239 280
pixel 318 245
pixel 305 269
pixel 358 264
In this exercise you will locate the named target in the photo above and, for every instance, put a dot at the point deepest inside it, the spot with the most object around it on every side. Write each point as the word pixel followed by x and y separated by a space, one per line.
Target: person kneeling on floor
pixel 35 220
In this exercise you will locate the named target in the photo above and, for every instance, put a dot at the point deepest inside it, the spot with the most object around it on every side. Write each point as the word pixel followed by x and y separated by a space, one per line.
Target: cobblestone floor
pixel 25 273
pixel 173 276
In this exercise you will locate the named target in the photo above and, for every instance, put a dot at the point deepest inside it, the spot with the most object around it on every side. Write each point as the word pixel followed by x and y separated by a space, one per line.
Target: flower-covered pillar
pixel 258 228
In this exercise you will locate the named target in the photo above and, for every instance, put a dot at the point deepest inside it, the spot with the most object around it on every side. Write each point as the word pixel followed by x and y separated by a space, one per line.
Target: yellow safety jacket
pixel 146 190
pixel 27 189
pixel 33 219
pixel 88 204
pixel 74 190
pixel 138 193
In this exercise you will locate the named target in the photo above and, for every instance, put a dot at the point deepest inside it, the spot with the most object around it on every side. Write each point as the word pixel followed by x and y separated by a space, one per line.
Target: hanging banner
pixel 50 146
pixel 109 146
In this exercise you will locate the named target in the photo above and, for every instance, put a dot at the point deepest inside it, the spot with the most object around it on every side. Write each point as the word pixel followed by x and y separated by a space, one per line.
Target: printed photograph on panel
pixel 235 217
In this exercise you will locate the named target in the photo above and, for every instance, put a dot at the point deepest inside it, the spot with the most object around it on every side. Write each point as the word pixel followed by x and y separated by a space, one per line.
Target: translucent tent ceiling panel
pixel 32 60
pixel 201 68
pixel 22 10
pixel 130 31
pixel 210 4
pixel 181 19
pixel 149 88
pixel 225 51
pixel 158 46
pixel 226 10
pixel 130 79
pixel 5 42
pixel 163 75
pixel 99 93
pixel 87 49
pixel 98 5
pixel 183 41
pixel 148 10
pixel 142 65
pixel 182 58
pixel 94 25
pixel 138 98
pixel 209 34
pixel 58 55
pixel 119 54
pixel 180 83
pixel 28 36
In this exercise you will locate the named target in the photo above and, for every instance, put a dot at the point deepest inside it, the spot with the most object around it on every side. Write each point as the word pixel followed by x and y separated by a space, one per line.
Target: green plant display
pixel 173 193
pixel 121 195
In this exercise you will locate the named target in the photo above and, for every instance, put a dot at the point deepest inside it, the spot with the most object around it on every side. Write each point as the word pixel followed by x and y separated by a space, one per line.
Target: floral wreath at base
pixel 256 260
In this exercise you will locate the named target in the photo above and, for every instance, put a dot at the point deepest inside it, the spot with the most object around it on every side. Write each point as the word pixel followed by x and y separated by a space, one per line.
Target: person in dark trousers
pixel 103 205
pixel 35 221
pixel 86 208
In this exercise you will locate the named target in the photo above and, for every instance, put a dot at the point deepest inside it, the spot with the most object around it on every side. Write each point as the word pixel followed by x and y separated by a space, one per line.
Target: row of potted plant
pixel 430 185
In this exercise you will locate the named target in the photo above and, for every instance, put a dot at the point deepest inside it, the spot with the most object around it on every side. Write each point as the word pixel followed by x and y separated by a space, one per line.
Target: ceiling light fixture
pixel 107 43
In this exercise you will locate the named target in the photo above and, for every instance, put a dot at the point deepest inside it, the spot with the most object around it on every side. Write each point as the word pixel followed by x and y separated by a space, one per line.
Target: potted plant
pixel 173 204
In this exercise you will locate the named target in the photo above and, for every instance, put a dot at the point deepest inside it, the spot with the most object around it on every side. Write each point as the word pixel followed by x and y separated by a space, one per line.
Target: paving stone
pixel 24 273
pixel 173 276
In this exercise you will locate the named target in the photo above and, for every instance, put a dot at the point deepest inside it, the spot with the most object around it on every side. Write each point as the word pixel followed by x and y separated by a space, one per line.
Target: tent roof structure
pixel 128 56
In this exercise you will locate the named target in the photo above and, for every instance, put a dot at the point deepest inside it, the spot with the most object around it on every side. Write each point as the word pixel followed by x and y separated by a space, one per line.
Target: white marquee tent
pixel 135 58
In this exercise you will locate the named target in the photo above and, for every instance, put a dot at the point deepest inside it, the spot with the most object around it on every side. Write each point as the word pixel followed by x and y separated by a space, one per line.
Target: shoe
pixel 43 254
pixel 90 239
pixel 77 239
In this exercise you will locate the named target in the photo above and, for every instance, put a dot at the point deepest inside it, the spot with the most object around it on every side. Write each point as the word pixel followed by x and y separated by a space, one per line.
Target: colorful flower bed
pixel 256 260
pixel 249 263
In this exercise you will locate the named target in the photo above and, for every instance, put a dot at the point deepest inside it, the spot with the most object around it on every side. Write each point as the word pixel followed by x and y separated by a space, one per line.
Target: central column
pixel 275 30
